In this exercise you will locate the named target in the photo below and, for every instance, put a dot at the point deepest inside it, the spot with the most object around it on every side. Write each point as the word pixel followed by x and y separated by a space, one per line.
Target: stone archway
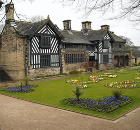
pixel 127 60
pixel 121 61
pixel 116 61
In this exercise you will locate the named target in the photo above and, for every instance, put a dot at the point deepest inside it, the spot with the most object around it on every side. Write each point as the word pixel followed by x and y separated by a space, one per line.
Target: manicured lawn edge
pixel 73 110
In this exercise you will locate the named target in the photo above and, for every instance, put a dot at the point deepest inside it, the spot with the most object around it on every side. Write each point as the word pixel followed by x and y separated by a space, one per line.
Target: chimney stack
pixel 105 27
pixel 9 8
pixel 86 25
pixel 67 24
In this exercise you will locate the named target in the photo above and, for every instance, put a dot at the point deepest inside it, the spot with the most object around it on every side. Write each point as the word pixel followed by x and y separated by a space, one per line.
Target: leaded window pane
pixel 45 61
pixel 105 58
pixel 45 42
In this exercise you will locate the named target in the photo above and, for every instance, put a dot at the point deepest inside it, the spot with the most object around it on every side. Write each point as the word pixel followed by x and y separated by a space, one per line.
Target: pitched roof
pixel 117 38
pixel 96 35
pixel 71 36
pixel 28 28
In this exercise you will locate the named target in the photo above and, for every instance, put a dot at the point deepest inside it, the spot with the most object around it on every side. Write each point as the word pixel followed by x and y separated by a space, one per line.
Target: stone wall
pixel 135 60
pixel 12 53
pixel 76 66
pixel 119 46
pixel 43 72
pixel 105 66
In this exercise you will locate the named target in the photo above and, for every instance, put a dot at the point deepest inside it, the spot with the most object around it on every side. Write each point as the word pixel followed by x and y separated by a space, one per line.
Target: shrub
pixel 77 91
pixel 20 85
pixel 135 64
pixel 26 81
pixel 117 93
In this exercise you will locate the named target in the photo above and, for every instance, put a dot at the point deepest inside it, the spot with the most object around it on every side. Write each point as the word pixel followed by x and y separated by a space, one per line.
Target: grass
pixel 53 92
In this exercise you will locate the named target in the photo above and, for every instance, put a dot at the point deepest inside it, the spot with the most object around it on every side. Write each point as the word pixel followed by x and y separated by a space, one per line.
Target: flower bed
pixel 122 71
pixel 26 89
pixel 110 76
pixel 137 73
pixel 123 84
pixel 94 79
pixel 107 73
pixel 137 78
pixel 105 105
pixel 73 81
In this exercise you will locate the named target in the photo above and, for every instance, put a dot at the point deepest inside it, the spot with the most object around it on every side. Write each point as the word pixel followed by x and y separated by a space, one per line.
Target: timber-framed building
pixel 41 48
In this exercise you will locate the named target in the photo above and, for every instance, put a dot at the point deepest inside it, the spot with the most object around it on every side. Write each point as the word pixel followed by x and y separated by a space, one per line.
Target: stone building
pixel 135 60
pixel 41 48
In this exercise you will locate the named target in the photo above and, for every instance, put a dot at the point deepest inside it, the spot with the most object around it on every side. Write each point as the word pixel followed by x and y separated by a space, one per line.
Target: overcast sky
pixel 58 13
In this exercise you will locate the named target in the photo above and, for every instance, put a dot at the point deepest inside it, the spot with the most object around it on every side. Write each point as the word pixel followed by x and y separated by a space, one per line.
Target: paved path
pixel 16 114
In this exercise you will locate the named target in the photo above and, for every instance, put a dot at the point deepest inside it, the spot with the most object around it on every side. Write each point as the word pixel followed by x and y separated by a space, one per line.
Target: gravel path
pixel 16 114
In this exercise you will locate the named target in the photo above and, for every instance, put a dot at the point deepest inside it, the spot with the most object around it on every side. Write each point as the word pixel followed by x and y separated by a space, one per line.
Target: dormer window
pixel 45 42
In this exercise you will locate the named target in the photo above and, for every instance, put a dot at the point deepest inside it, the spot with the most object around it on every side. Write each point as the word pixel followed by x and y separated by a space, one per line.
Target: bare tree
pixel 36 18
pixel 129 45
pixel 128 41
pixel 124 8
pixel 19 16
pixel 1 27
pixel 8 1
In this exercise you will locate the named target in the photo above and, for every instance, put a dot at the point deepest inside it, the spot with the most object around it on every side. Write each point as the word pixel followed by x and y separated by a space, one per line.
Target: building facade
pixel 41 48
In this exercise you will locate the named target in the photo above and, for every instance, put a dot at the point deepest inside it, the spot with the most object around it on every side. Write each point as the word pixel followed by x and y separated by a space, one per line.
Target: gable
pixel 43 27
pixel 107 37
pixel 48 29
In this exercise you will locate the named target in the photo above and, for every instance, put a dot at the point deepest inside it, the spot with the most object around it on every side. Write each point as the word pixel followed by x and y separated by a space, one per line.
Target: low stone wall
pixel 43 72
pixel 105 66
pixel 76 66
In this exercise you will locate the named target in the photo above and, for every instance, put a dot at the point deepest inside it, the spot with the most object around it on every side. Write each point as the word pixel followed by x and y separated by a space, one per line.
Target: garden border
pixel 76 111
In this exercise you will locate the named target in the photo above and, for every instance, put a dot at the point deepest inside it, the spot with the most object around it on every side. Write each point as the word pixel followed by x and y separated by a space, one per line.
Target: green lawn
pixel 53 92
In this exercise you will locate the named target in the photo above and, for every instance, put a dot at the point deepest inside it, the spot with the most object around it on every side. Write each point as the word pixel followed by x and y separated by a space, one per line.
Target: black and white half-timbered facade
pixel 41 48
pixel 45 47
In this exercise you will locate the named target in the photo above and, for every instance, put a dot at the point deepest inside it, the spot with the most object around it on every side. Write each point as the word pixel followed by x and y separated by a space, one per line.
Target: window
pixel 71 46
pixel 74 58
pixel 105 44
pixel 92 58
pixel 120 46
pixel 81 46
pixel 44 61
pixel 45 42
pixel 90 48
pixel 105 58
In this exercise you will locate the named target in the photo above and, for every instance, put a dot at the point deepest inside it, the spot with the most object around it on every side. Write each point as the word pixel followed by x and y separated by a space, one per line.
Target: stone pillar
pixel 97 57
pixel 62 62
pixel 124 61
